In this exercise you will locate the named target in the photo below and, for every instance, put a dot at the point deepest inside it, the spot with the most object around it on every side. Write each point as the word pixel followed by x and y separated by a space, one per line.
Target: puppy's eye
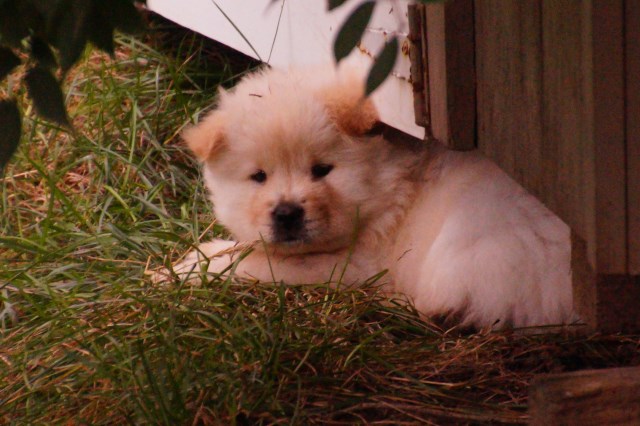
pixel 260 176
pixel 318 171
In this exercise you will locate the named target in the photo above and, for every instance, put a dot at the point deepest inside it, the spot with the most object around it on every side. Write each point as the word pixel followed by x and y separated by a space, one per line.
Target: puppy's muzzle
pixel 288 222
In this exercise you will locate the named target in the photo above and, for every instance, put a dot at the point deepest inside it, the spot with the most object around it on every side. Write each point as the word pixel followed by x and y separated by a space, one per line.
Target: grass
pixel 87 338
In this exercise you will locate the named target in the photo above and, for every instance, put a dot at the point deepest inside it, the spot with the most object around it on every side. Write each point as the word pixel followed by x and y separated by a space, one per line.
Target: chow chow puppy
pixel 298 164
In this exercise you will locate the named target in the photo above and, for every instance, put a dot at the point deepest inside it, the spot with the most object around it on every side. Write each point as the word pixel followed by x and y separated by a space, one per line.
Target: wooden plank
pixel 461 79
pixel 592 397
pixel 585 289
pixel 509 85
pixel 609 134
pixel 583 126
pixel 419 66
pixel 451 70
pixel 617 303
pixel 632 55
pixel 568 168
pixel 434 21
pixel 606 303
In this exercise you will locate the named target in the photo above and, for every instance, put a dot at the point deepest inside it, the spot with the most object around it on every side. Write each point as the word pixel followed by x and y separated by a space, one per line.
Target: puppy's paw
pixel 214 257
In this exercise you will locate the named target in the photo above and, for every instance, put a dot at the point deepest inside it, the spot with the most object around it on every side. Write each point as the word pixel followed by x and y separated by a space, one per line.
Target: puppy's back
pixel 478 245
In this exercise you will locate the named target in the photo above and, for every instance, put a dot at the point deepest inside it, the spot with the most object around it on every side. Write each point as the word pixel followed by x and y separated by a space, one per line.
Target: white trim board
pixel 286 33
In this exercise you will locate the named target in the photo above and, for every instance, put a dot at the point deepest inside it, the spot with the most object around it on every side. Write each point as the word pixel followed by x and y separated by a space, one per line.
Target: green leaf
pixel 42 53
pixel 8 61
pixel 332 4
pixel 352 30
pixel 10 125
pixel 47 96
pixel 382 66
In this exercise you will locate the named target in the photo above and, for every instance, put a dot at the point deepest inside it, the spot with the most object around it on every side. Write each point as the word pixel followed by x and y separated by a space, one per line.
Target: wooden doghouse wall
pixel 557 106
pixel 632 82
pixel 555 109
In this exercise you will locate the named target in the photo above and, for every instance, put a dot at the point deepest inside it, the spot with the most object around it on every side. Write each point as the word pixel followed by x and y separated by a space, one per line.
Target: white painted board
pixel 301 32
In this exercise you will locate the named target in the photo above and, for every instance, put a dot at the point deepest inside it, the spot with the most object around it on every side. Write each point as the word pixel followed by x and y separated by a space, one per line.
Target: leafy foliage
pixel 335 3
pixel 383 66
pixel 352 30
pixel 51 35
pixel 350 34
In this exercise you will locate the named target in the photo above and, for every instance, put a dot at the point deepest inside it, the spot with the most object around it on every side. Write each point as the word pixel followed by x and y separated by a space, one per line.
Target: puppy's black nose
pixel 288 220
pixel 288 215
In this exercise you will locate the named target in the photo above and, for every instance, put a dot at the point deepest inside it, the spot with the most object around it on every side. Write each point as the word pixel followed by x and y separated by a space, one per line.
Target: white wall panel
pixel 301 32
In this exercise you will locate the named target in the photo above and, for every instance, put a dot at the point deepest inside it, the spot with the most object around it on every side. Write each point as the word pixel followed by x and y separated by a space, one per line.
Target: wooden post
pixel 606 302
pixel 608 296
pixel 443 71
pixel 632 55
pixel 591 397
pixel 509 74
pixel 419 66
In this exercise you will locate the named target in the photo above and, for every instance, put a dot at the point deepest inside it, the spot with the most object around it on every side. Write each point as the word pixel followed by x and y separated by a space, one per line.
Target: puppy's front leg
pixel 304 269
pixel 229 258
pixel 216 256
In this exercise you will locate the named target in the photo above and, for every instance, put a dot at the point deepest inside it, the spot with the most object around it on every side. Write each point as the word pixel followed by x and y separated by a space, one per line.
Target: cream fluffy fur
pixel 456 234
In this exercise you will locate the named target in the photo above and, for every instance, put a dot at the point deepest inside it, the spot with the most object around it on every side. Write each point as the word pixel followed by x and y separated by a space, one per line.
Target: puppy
pixel 294 165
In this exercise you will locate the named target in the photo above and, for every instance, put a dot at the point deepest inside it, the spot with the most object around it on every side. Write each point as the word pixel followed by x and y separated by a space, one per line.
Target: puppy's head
pixel 286 161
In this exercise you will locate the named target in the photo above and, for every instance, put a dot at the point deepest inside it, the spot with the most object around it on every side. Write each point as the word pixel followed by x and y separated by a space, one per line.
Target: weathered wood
pixel 509 85
pixel 568 169
pixel 419 66
pixel 618 300
pixel 552 93
pixel 593 397
pixel 607 303
pixel 607 17
pixel 583 120
pixel 632 55
pixel 450 45
pixel 535 102
pixel 461 80
pixel 585 290
pixel 437 67
pixel 550 79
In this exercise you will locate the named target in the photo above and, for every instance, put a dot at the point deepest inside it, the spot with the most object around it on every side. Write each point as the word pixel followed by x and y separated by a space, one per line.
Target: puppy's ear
pixel 350 110
pixel 355 118
pixel 207 138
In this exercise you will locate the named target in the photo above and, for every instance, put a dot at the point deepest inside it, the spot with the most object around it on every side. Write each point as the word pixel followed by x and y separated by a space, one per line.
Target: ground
pixel 87 338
